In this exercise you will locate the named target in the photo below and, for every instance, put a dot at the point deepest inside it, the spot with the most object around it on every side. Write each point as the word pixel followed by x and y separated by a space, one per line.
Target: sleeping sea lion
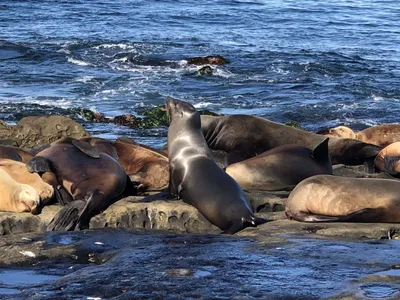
pixel 281 168
pixel 380 135
pixel 197 179
pixel 244 136
pixel 18 171
pixel 92 178
pixel 388 160
pixel 14 153
pixel 144 165
pixel 17 197
pixel 327 198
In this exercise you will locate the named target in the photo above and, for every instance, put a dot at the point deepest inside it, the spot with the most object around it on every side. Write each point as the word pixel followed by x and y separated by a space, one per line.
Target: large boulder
pixel 36 131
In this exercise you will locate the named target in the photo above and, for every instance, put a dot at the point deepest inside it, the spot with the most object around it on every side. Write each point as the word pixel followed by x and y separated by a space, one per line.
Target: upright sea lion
pixel 144 165
pixel 197 179
pixel 327 198
pixel 17 197
pixel 14 153
pixel 281 168
pixel 388 160
pixel 94 180
pixel 244 136
pixel 18 171
pixel 380 135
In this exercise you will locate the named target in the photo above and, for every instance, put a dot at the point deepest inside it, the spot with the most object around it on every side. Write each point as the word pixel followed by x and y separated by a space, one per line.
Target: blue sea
pixel 318 63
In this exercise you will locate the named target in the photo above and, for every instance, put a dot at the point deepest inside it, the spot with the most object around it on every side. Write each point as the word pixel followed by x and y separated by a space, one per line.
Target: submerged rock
pixel 213 60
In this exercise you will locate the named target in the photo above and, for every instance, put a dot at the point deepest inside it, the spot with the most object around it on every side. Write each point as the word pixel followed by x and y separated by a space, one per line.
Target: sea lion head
pixel 342 132
pixel 27 199
pixel 182 111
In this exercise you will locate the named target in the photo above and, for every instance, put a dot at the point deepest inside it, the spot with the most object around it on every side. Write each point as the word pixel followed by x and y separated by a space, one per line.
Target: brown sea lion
pixel 94 180
pixel 244 136
pixel 144 165
pixel 197 179
pixel 17 197
pixel 327 198
pixel 14 153
pixel 18 171
pixel 281 168
pixel 380 135
pixel 388 160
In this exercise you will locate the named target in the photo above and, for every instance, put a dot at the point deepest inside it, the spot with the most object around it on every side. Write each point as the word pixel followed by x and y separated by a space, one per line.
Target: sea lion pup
pixel 144 165
pixel 197 179
pixel 380 135
pixel 327 198
pixel 281 168
pixel 244 136
pixel 18 171
pixel 17 197
pixel 388 160
pixel 14 153
pixel 92 178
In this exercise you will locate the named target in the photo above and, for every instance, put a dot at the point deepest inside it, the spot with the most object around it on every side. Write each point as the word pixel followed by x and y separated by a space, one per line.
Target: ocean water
pixel 318 63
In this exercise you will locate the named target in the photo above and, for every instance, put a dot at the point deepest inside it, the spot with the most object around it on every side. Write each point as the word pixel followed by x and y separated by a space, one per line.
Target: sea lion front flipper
pixel 321 151
pixel 391 162
pixel 245 222
pixel 67 217
pixel 38 164
pixel 86 148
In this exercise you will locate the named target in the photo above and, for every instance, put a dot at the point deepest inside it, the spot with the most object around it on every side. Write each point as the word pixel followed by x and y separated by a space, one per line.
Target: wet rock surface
pixel 119 264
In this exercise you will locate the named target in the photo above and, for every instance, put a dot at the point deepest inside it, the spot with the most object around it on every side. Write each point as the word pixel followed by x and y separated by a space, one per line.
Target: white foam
pixel 78 62
pixel 84 79
pixel 202 104
pixel 223 73
pixel 112 46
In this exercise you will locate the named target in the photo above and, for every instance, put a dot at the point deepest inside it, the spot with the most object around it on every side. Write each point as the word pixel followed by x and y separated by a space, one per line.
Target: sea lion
pixel 388 160
pixel 380 135
pixel 197 179
pixel 14 153
pixel 18 171
pixel 17 197
pixel 144 165
pixel 328 198
pixel 244 136
pixel 102 145
pixel 281 168
pixel 92 178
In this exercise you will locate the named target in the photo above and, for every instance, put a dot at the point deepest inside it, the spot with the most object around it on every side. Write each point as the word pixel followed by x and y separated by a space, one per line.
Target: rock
pixel 207 70
pixel 213 60
pixel 12 143
pixel 36 131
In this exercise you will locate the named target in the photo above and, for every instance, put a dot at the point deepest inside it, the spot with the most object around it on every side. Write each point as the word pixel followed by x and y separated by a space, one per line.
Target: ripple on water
pixel 378 291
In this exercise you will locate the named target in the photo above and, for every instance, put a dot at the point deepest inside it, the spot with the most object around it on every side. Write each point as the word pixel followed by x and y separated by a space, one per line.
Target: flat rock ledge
pixel 151 213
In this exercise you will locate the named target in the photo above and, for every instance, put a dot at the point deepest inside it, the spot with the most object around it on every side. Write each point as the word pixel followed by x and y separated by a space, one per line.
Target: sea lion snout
pixel 28 199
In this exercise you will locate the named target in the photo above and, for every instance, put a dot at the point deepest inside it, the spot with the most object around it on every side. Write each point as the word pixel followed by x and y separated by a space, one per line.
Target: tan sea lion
pixel 197 179
pixel 380 135
pixel 327 198
pixel 143 164
pixel 18 171
pixel 388 160
pixel 14 153
pixel 281 168
pixel 244 136
pixel 94 180
pixel 17 197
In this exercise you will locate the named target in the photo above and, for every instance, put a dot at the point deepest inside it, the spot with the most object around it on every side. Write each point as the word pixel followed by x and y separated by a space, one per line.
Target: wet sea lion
pixel 14 153
pixel 244 136
pixel 92 178
pixel 281 168
pixel 327 198
pixel 144 165
pixel 197 179
pixel 380 135
pixel 388 160
pixel 17 197
pixel 18 171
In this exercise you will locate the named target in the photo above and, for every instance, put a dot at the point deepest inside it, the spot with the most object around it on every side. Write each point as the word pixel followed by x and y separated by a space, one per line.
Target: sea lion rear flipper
pixel 38 164
pixel 62 196
pixel 86 148
pixel 94 205
pixel 67 217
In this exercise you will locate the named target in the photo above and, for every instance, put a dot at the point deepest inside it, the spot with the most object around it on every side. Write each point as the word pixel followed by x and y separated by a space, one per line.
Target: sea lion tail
pixel 67 217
